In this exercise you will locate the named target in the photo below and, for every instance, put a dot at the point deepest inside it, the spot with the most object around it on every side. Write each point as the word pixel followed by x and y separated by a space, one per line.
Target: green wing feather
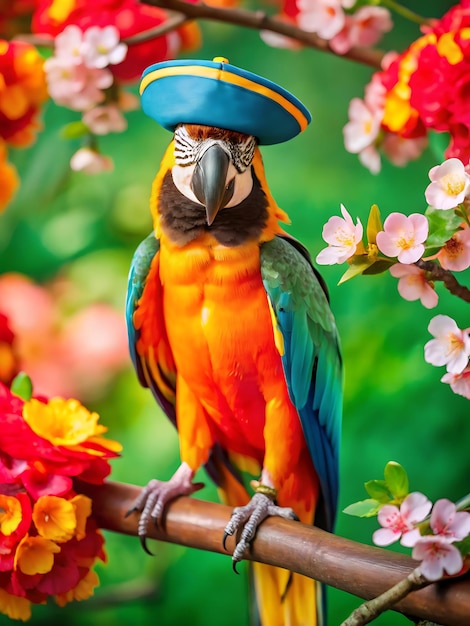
pixel 311 358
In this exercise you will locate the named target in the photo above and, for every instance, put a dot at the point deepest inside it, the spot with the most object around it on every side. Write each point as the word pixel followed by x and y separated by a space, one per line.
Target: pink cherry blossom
pixel 369 157
pixel 400 522
pixel 90 162
pixel 401 150
pixel 449 185
pixel 101 47
pixel 324 17
pixel 375 95
pixel 450 346
pixel 342 237
pixel 412 284
pixel 74 85
pixel 448 522
pixel 403 237
pixel 437 556
pixel 459 383
pixel 455 254
pixel 362 128
pixel 365 27
pixel 68 44
pixel 102 120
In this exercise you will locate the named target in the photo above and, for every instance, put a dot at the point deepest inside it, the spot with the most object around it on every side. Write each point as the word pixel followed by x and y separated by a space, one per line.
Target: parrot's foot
pixel 155 496
pixel 249 517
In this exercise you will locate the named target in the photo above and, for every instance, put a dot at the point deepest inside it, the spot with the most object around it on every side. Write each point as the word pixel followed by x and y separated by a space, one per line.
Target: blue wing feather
pixel 311 359
pixel 138 272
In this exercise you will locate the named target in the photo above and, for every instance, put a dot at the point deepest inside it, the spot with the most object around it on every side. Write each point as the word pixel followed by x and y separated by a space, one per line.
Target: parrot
pixel 231 329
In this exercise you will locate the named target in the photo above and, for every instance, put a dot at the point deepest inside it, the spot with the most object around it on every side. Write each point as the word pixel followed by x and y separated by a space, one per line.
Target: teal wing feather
pixel 138 273
pixel 311 359
pixel 140 266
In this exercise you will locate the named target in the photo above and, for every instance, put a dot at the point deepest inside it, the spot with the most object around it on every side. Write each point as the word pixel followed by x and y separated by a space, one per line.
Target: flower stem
pixel 463 503
pixel 460 210
pixel 436 272
pixel 404 12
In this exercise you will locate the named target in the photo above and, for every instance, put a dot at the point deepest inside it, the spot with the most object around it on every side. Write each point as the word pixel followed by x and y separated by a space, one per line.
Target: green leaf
pixel 442 225
pixel 22 386
pixel 379 266
pixel 378 490
pixel 396 480
pixel 364 508
pixel 374 224
pixel 463 546
pixel 74 130
pixel 357 266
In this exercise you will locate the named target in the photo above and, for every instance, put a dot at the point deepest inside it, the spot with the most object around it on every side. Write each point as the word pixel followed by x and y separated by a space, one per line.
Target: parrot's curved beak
pixel 209 181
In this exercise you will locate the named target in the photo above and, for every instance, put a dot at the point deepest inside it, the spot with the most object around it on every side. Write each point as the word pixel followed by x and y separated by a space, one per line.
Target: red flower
pixel 130 17
pixel 49 542
pixel 8 358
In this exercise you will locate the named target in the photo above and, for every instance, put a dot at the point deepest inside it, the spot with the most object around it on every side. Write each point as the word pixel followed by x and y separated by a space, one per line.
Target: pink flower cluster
pixel 335 21
pixel 424 88
pixel 450 347
pixel 72 353
pixel 434 550
pixel 78 76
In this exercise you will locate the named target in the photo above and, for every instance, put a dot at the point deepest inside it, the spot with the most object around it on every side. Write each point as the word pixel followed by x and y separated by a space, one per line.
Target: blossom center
pixel 456 343
pixel 344 237
pixel 405 243
pixel 453 184
pixel 454 248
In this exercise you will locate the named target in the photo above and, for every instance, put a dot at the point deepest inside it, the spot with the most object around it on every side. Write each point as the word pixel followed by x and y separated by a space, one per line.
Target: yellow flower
pixel 82 591
pixel 55 518
pixel 10 514
pixel 82 507
pixel 14 607
pixel 67 423
pixel 35 555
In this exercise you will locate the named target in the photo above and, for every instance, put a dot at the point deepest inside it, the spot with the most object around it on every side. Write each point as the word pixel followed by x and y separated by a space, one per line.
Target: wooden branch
pixel 259 20
pixel 436 272
pixel 362 570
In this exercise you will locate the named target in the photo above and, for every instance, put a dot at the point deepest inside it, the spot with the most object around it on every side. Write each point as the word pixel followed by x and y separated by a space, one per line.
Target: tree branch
pixel 370 610
pixel 364 571
pixel 436 272
pixel 258 20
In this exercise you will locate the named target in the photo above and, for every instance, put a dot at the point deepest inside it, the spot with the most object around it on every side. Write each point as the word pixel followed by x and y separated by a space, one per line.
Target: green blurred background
pixel 86 228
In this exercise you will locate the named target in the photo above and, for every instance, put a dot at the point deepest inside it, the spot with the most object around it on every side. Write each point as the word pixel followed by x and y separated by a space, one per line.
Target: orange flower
pixel 22 91
pixel 10 514
pixel 55 518
pixel 35 555
pixel 68 423
pixel 8 178
pixel 14 606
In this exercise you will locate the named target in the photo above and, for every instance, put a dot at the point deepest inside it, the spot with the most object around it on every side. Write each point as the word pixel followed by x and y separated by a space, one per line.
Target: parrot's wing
pixel 307 339
pixel 146 331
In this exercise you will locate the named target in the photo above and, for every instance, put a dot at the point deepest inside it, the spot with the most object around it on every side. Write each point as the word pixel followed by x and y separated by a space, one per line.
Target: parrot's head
pixel 213 166
pixel 212 181
pixel 212 178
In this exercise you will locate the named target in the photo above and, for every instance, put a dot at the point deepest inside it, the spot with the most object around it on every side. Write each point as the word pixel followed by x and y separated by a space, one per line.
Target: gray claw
pixel 249 517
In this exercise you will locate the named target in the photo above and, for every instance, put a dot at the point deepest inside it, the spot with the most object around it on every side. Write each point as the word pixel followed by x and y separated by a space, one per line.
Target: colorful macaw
pixel 229 323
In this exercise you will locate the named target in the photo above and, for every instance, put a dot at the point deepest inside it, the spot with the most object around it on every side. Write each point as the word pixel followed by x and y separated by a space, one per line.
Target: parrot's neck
pixel 184 221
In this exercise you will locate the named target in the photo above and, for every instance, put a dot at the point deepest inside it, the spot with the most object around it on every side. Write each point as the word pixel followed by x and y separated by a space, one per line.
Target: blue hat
pixel 215 93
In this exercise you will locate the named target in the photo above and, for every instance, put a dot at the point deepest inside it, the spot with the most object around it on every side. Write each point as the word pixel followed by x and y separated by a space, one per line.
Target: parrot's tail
pixel 283 598
pixel 287 599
